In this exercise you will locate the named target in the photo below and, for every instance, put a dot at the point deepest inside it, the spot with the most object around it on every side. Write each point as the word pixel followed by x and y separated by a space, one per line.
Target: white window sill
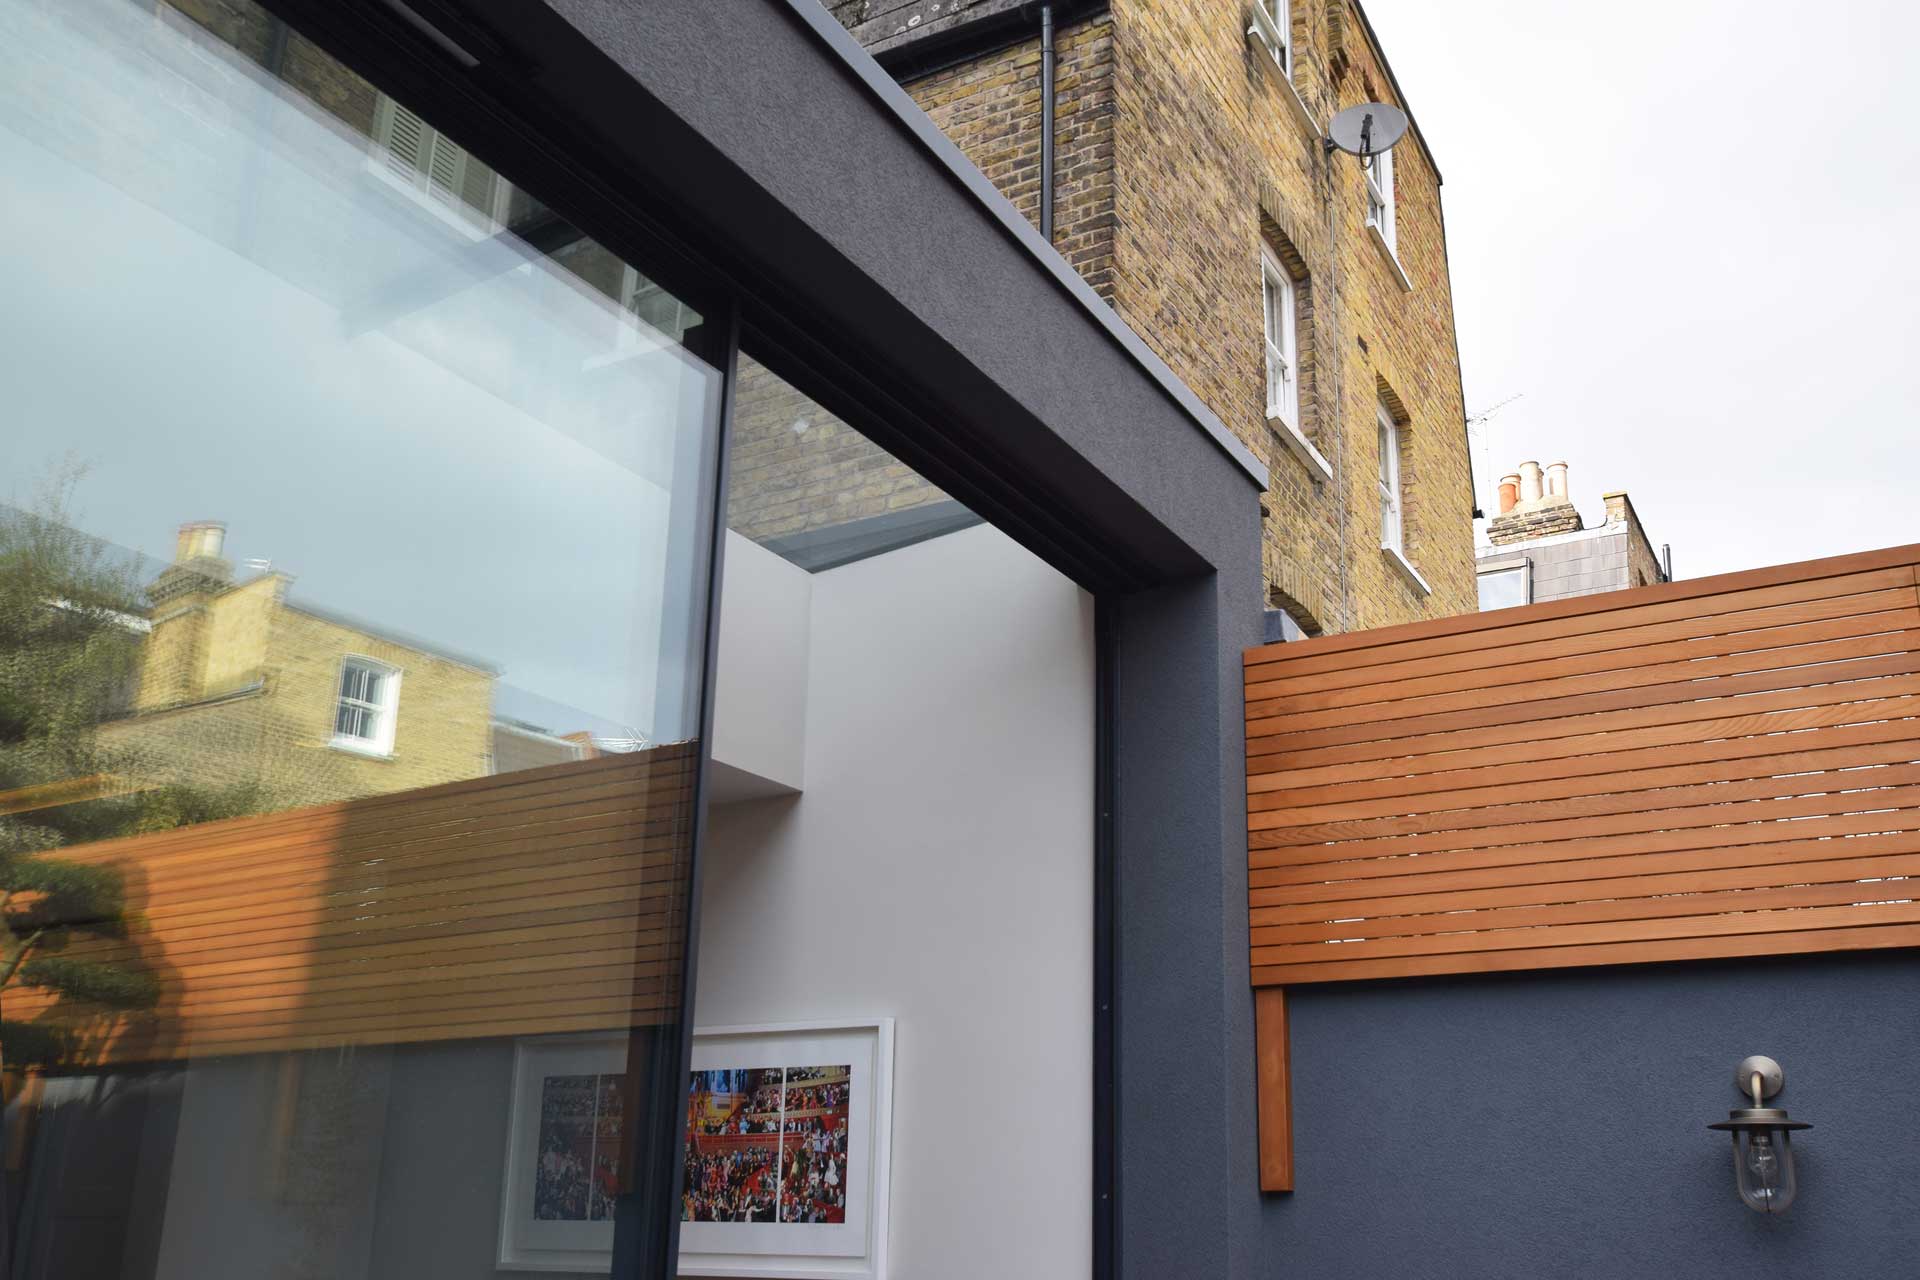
pixel 360 747
pixel 1296 105
pixel 1301 448
pixel 1393 259
pixel 1405 566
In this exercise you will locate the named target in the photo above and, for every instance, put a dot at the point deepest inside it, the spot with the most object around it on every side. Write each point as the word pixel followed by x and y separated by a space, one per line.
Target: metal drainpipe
pixel 1046 123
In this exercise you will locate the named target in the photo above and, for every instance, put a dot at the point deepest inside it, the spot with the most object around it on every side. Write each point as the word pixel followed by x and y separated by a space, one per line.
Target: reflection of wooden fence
pixel 547 900
pixel 1724 767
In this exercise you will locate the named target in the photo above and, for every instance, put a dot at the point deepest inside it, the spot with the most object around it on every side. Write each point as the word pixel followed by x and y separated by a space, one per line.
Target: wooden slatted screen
pixel 1723 767
pixel 545 900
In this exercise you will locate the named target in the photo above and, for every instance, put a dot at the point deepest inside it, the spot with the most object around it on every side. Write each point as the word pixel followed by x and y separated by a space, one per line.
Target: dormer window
pixel 363 717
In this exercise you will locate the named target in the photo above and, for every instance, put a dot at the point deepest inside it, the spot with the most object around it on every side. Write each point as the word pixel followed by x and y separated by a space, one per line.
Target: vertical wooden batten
pixel 1276 1088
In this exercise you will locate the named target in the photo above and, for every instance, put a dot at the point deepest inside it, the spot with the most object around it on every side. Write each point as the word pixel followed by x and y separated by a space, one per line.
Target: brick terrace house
pixel 1304 299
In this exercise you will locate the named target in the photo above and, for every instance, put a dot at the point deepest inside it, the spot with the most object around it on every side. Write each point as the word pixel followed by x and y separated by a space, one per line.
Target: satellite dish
pixel 1367 130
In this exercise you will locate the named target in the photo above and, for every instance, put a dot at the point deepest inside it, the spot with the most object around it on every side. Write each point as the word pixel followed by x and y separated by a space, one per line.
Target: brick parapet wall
pixel 1643 563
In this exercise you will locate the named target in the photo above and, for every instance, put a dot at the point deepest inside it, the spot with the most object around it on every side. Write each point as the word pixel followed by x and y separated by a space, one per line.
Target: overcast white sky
pixel 1685 232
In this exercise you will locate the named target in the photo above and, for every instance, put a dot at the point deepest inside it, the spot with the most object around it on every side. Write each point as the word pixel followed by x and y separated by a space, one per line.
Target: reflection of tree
pixel 70 639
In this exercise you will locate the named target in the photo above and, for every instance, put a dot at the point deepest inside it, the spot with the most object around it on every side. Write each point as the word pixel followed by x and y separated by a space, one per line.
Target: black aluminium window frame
pixel 1158 610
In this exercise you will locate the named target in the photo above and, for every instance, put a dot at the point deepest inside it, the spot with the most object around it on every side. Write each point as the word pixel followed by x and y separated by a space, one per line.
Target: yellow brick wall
pixel 795 468
pixel 1211 160
pixel 240 626
pixel 1177 155
pixel 990 107
pixel 445 710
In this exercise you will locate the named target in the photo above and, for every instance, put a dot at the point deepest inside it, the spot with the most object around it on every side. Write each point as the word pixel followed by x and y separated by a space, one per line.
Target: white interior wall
pixel 937 868
pixel 760 696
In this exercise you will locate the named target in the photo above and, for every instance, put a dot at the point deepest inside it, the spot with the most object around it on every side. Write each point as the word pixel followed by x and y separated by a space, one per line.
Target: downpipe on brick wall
pixel 1046 122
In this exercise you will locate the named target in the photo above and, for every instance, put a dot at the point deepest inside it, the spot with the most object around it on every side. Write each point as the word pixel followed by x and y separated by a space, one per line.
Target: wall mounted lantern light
pixel 1762 1150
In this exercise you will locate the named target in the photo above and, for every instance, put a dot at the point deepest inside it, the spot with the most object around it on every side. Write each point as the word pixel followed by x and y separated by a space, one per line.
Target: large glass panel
pixel 352 586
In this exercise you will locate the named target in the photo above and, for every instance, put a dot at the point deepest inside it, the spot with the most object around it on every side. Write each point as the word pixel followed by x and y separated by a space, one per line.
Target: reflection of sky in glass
pixel 214 301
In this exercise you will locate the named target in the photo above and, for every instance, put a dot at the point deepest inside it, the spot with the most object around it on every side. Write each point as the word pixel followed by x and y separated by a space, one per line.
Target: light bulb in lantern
pixel 1762 1140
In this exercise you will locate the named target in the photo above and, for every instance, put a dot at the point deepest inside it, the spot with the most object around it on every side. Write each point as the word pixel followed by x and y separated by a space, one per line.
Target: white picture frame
pixel 854 1249
pixel 564 1103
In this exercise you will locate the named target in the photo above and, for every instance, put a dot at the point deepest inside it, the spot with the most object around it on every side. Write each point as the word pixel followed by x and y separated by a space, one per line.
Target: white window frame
pixel 1393 516
pixel 1381 215
pixel 1272 25
pixel 1393 529
pixel 440 185
pixel 382 712
pixel 1279 308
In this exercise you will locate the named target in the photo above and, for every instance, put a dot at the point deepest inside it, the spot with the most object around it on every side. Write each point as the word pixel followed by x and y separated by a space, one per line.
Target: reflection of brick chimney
pixel 174 660
pixel 1542 505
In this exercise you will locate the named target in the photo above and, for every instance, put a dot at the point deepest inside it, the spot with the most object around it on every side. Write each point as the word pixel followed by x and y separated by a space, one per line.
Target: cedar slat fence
pixel 1717 768
pixel 539 901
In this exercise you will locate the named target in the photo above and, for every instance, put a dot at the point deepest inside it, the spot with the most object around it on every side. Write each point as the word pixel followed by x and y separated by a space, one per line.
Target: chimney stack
pixel 1534 503
pixel 173 659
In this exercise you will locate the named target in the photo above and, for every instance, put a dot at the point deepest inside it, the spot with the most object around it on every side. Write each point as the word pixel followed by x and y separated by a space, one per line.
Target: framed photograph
pixel 788 1133
pixel 789 1129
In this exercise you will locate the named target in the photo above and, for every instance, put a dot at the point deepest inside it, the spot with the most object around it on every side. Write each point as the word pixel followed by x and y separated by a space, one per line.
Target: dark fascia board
pixel 896 100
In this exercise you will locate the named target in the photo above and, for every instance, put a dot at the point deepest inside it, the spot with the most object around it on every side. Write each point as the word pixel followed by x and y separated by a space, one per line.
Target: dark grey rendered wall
pixel 822 188
pixel 1553 1125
